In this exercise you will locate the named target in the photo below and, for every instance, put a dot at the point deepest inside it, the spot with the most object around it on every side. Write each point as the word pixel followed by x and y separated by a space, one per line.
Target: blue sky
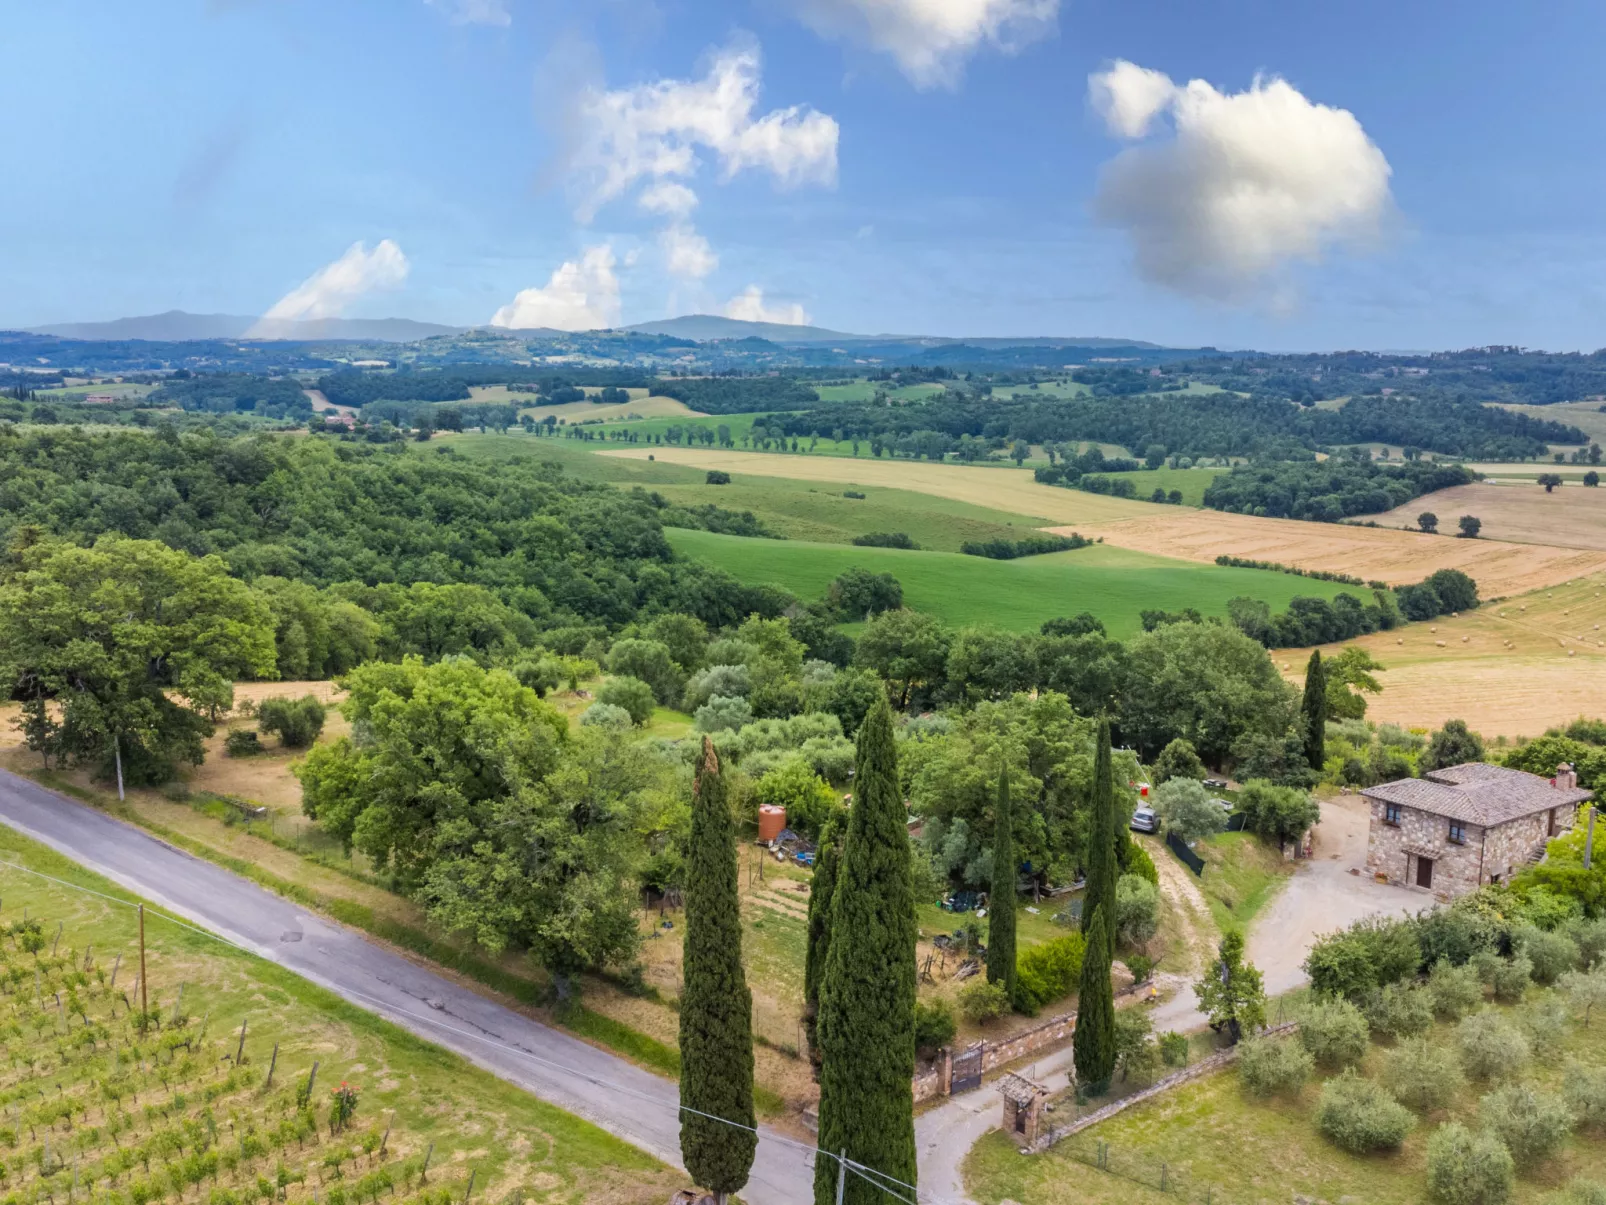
pixel 1430 175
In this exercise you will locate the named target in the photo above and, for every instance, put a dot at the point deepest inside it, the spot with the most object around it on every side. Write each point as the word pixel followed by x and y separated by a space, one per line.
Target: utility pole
pixel 117 755
pixel 144 999
pixel 841 1175
pixel 1589 839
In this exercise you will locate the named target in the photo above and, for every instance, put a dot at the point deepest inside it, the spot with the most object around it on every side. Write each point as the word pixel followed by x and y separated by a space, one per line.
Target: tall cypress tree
pixel 1101 868
pixel 716 1008
pixel 1313 711
pixel 1001 920
pixel 822 892
pixel 867 997
pixel 1094 1042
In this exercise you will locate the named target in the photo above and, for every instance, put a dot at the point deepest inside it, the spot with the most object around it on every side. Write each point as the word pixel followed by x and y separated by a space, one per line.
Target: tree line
pixel 1326 491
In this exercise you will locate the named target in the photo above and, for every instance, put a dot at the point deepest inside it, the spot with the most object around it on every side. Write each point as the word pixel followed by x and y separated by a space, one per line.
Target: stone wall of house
pixel 1458 869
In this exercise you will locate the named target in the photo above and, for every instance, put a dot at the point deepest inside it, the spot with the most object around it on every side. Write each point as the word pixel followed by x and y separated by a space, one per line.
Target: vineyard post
pixel 424 1171
pixel 272 1063
pixel 144 1006
pixel 467 1191
pixel 117 964
pixel 239 1050
pixel 57 942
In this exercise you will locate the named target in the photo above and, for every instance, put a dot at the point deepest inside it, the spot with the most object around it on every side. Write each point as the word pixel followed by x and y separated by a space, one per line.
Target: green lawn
pixel 1113 583
pixel 1192 482
pixel 1242 873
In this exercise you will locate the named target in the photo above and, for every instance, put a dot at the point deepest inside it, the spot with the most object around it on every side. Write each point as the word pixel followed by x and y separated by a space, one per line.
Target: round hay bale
pixel 1433 628
pixel 1464 639
pixel 1400 640
pixel 1440 643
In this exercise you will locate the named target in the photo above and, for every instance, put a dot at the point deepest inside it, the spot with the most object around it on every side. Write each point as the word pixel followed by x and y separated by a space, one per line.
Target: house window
pixel 1391 813
pixel 1458 834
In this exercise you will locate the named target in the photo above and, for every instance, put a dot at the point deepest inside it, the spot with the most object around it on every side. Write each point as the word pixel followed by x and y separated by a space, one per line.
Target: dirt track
pixel 1395 557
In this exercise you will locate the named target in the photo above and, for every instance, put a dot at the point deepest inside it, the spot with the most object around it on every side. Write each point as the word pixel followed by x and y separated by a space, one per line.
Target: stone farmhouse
pixel 1453 830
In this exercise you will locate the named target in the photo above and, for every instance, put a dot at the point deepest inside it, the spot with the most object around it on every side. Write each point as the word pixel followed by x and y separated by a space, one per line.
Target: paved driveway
pixel 618 1096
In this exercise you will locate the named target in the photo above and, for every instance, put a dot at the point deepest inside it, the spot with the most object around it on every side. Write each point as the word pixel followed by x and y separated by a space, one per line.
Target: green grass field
pixel 1192 482
pixel 1113 583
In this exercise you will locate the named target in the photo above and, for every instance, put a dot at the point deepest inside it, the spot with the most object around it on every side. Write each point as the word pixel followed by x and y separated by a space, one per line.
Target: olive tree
pixel 1421 1075
pixel 1335 1033
pixel 1468 1168
pixel 1530 1122
pixel 1186 809
pixel 1492 1048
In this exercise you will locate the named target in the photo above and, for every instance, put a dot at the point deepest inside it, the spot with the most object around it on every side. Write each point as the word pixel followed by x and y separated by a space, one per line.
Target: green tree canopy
pixel 128 640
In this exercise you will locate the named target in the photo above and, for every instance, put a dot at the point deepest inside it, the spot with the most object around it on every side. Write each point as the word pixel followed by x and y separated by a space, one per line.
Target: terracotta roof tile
pixel 1477 793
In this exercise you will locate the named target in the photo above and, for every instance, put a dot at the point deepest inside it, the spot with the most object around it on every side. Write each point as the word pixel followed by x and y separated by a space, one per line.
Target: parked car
pixel 1225 805
pixel 1216 784
pixel 1145 821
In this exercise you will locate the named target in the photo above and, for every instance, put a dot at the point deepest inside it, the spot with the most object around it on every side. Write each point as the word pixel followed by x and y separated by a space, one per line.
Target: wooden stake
pixel 272 1063
pixel 144 1007
pixel 116 966
pixel 424 1171
pixel 239 1050
pixel 57 942
pixel 89 955
pixel 467 1191
pixel 388 1122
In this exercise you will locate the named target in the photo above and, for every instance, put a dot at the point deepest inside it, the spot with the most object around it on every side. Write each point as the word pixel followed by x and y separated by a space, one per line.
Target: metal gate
pixel 967 1070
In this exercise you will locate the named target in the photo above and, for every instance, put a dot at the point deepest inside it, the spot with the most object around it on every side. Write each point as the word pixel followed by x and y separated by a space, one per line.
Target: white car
pixel 1145 821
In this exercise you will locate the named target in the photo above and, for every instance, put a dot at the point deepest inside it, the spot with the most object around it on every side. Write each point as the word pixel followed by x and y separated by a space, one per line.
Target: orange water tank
pixel 771 820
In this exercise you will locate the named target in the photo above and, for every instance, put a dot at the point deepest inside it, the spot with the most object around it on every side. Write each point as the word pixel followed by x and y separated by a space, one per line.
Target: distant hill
pixel 177 326
pixel 705 327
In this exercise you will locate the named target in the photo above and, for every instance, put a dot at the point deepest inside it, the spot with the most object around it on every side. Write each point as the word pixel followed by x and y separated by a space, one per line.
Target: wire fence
pixel 1140 1168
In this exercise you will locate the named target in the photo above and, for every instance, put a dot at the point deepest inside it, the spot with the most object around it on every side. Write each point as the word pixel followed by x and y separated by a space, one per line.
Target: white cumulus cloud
pixel 749 305
pixel 686 253
pixel 655 132
pixel 581 295
pixel 668 197
pixel 474 12
pixel 1244 184
pixel 329 290
pixel 931 39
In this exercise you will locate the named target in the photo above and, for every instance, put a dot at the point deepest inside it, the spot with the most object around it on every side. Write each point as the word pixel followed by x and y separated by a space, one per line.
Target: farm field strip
pixel 1461 667
pixel 1115 584
pixel 1573 516
pixel 1396 557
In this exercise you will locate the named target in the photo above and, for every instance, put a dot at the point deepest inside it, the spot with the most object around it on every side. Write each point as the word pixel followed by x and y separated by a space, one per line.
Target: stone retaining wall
pixel 1206 1065
pixel 935 1080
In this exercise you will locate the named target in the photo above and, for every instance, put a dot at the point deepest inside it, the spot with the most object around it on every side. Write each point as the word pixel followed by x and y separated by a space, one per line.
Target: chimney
pixel 1566 777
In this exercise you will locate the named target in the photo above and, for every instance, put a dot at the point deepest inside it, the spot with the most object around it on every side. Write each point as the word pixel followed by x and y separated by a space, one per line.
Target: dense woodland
pixel 1329 490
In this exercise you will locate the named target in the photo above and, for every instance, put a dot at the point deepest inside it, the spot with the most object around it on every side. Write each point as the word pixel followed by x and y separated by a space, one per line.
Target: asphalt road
pixel 619 1097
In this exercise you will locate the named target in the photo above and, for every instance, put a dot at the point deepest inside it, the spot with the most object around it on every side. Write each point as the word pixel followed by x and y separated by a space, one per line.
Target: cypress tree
pixel 1001 920
pixel 716 1008
pixel 1094 1042
pixel 1313 708
pixel 1101 868
pixel 867 996
pixel 821 894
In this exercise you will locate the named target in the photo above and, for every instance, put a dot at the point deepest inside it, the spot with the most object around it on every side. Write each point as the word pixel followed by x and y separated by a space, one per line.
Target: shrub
pixel 1141 966
pixel 1360 1116
pixel 1492 1048
pixel 1334 1032
pixel 1137 909
pixel 717 477
pixel 723 712
pixel 241 742
pixel 1545 1022
pixel 1048 971
pixel 1509 978
pixel 1186 809
pixel 1273 1066
pixel 605 715
pixel 934 1026
pixel 634 695
pixel 1277 813
pixel 1139 863
pixel 1135 1051
pixel 1422 1076
pixel 648 661
pixel 1174 1049
pixel 1552 954
pixel 1585 1087
pixel 541 675
pixel 1369 954
pixel 1590 938
pixel 1531 1123
pixel 982 1002
pixel 297 722
pixel 885 539
pixel 1400 1010
pixel 1465 1168
pixel 793 785
pixel 1586 990
pixel 1179 759
pixel 1454 991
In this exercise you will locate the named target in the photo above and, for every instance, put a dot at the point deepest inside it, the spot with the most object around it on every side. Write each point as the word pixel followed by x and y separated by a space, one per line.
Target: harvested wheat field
pixel 1510 668
pixel 1588 416
pixel 1372 553
pixel 1572 516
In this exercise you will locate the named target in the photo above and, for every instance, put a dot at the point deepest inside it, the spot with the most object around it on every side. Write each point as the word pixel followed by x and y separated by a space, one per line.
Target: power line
pixel 864 1172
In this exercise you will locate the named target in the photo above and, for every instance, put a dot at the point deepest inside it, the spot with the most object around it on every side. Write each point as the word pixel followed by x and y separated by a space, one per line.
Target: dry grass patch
pixel 1573 516
pixel 1511 668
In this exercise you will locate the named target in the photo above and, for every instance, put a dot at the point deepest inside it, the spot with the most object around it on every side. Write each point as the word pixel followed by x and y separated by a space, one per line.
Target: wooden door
pixel 1424 872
